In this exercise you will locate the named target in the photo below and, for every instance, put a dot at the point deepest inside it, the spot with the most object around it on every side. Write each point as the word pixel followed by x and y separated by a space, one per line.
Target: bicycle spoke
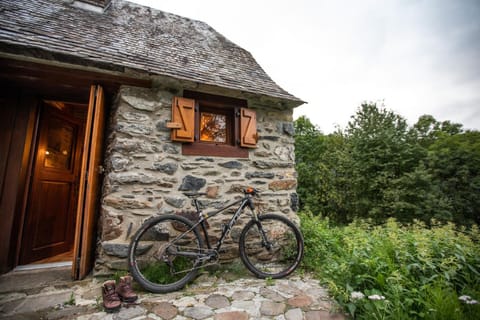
pixel 170 256
pixel 271 248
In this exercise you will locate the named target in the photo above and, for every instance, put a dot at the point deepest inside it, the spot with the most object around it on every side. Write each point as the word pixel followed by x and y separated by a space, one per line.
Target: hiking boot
pixel 111 300
pixel 125 291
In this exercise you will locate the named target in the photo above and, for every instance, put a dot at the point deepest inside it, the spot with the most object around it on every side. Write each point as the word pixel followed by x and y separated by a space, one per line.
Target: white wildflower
pixel 467 299
pixel 355 295
pixel 376 297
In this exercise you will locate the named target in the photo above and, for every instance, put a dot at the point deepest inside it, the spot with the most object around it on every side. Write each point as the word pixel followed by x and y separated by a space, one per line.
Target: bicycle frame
pixel 203 217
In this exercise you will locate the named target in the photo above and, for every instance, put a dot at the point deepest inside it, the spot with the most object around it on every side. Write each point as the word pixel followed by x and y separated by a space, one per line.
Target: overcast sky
pixel 415 56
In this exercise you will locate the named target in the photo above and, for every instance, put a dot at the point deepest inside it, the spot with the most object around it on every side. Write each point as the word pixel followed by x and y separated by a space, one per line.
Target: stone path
pixel 209 297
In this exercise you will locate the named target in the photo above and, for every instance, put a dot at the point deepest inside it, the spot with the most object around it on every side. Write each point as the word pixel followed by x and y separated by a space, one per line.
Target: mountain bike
pixel 167 251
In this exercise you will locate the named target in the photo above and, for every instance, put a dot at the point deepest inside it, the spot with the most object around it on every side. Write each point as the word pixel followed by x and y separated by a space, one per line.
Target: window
pixel 213 125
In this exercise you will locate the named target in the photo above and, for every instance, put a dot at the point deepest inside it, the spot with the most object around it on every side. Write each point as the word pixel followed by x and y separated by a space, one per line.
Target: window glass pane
pixel 213 127
pixel 59 144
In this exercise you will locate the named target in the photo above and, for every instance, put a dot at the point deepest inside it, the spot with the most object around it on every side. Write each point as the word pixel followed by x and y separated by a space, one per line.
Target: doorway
pixel 58 211
pixel 49 225
pixel 27 89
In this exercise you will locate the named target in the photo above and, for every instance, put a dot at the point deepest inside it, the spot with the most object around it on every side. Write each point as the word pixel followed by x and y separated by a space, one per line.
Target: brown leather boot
pixel 111 300
pixel 125 291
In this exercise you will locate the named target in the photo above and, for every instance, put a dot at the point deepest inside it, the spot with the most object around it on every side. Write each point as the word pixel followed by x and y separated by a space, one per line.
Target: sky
pixel 413 57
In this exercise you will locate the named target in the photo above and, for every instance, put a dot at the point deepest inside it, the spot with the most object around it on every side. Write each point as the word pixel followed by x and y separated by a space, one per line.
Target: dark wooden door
pixel 49 226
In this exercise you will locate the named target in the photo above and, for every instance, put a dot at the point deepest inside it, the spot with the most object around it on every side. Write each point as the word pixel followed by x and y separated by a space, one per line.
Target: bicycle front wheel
pixel 271 247
pixel 164 253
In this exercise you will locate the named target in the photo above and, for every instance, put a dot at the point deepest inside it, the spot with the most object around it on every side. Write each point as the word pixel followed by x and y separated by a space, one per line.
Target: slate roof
pixel 136 37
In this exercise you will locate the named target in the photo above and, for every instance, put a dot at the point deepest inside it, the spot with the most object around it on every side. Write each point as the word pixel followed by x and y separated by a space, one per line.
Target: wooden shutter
pixel 183 119
pixel 90 185
pixel 248 128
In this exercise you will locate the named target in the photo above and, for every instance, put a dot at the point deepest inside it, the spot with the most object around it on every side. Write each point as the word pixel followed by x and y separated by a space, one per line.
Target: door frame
pixel 25 80
pixel 13 200
pixel 89 184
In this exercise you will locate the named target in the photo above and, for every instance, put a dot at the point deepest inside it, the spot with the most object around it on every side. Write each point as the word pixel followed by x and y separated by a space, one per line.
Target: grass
pixel 161 273
pixel 230 271
pixel 71 300
pixel 118 274
pixel 396 272
pixel 269 281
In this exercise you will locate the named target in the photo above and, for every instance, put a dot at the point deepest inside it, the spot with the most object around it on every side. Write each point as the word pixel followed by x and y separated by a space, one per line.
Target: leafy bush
pixel 396 272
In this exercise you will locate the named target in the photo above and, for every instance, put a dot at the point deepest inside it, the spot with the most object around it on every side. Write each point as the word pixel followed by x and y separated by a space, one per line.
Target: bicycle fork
pixel 265 243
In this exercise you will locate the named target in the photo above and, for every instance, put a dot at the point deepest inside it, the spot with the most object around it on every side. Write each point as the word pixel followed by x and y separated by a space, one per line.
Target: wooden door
pixel 51 211
pixel 90 185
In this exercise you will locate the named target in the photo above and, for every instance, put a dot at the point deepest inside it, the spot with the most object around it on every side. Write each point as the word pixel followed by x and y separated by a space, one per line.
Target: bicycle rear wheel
pixel 271 247
pixel 163 255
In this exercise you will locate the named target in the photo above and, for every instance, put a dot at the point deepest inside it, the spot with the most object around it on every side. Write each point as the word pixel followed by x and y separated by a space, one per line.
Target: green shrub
pixel 161 273
pixel 415 272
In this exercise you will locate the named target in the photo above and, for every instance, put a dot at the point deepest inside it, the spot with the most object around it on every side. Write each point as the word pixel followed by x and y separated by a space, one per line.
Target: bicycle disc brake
pixel 163 253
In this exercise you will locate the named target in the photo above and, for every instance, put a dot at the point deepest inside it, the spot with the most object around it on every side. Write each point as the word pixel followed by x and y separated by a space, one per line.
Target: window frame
pixel 223 105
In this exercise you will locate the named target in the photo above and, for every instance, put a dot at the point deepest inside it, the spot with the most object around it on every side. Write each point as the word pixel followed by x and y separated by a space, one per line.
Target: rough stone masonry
pixel 146 173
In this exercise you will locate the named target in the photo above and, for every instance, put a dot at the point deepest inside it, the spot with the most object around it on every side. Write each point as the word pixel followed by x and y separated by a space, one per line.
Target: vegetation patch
pixel 379 167
pixel 396 271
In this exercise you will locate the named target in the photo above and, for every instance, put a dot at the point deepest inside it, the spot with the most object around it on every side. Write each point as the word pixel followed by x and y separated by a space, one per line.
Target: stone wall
pixel 146 173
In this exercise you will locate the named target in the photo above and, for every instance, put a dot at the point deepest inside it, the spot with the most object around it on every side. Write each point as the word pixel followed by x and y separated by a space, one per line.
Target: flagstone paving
pixel 208 297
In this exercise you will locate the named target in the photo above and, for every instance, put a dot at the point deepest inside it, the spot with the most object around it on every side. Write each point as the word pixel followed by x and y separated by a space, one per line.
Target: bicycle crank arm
pixel 188 254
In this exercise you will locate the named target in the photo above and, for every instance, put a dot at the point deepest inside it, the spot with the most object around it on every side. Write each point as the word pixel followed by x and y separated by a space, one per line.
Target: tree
pixel 320 165
pixel 382 152
pixel 427 130
pixel 378 168
pixel 309 147
pixel 415 196
pixel 454 161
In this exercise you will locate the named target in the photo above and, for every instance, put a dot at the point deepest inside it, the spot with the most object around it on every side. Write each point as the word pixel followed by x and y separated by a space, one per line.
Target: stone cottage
pixel 110 111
